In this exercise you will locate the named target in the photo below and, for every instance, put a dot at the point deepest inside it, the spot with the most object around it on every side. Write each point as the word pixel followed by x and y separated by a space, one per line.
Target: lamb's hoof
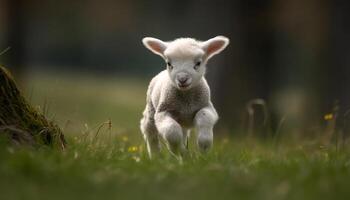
pixel 205 146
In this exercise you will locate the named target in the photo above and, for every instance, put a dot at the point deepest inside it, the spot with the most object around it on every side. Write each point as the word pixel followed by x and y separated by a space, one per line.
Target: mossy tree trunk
pixel 20 122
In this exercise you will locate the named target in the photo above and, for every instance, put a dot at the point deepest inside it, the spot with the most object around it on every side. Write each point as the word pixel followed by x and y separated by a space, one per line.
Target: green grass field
pixel 108 160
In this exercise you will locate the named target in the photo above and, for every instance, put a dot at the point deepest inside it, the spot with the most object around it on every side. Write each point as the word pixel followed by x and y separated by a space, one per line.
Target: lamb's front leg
pixel 171 131
pixel 205 120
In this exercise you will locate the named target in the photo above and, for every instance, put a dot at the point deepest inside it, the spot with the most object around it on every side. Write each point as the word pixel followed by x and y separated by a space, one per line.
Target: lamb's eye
pixel 197 65
pixel 169 65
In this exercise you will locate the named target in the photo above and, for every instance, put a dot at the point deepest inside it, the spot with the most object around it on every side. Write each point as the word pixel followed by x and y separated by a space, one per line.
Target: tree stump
pixel 21 123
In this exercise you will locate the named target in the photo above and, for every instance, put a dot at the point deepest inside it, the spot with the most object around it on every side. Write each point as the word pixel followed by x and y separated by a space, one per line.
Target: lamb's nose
pixel 182 78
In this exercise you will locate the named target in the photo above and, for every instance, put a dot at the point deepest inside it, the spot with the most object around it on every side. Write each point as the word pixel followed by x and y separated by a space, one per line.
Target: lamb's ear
pixel 155 45
pixel 215 45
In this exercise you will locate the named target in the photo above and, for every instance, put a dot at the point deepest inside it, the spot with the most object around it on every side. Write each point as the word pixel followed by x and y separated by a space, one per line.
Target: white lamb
pixel 178 98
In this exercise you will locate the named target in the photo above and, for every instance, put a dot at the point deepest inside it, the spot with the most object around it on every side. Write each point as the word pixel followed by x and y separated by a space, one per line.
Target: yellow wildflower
pixel 328 117
pixel 132 149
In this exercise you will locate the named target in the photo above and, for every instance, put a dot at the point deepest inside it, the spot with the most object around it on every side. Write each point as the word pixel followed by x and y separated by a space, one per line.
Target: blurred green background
pixel 293 54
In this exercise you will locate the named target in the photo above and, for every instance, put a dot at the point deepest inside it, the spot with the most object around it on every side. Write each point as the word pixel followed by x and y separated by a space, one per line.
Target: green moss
pixel 20 121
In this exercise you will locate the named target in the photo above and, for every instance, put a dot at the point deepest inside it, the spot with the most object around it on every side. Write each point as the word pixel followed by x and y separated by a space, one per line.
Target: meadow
pixel 106 157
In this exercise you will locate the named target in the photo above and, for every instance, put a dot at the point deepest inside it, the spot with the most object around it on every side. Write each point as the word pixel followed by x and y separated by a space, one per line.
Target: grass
pixel 114 164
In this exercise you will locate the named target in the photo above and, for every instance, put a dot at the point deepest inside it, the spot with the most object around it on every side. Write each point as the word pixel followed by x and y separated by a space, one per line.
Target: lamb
pixel 178 98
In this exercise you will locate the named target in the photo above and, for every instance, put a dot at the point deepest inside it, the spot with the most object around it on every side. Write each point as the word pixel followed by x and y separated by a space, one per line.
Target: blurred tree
pixel 337 81
pixel 15 35
pixel 279 56
pixel 247 71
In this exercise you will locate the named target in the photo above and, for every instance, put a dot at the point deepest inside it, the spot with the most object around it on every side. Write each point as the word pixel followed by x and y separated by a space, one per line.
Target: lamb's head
pixel 186 58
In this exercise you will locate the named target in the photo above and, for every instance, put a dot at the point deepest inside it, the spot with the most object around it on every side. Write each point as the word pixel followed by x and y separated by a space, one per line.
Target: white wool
pixel 178 98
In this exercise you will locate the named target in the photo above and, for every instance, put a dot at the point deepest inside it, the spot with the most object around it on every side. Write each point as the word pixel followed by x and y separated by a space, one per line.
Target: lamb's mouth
pixel 183 86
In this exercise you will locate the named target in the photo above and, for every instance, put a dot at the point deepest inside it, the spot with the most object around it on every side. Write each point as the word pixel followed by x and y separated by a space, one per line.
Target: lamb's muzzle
pixel 183 80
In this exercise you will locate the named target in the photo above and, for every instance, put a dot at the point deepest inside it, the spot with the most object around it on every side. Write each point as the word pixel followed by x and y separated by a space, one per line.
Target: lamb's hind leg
pixel 150 134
